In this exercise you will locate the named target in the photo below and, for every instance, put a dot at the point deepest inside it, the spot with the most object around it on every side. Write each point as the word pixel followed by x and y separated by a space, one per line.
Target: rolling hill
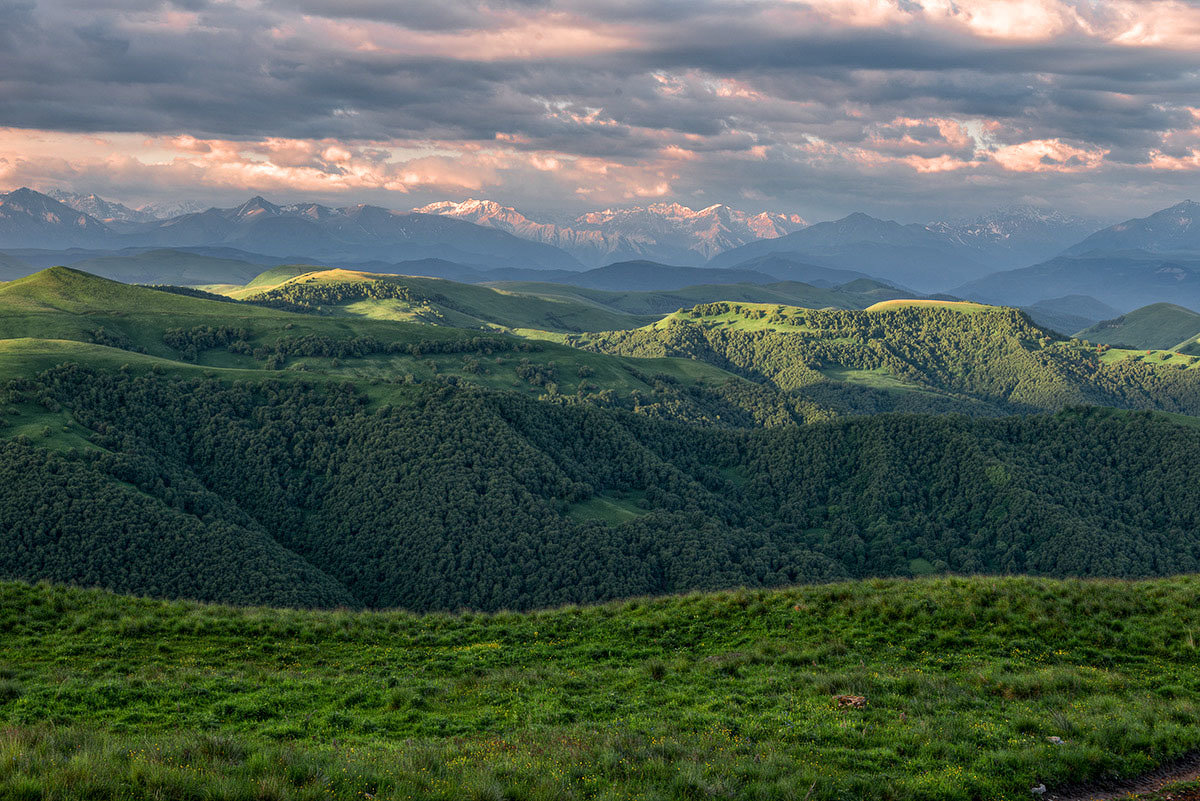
pixel 436 496
pixel 433 300
pixel 1160 326
pixel 334 459
pixel 62 315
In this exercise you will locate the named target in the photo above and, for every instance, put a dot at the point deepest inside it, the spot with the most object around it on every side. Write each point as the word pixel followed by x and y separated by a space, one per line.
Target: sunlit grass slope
pixel 728 695
pixel 964 306
pixel 434 300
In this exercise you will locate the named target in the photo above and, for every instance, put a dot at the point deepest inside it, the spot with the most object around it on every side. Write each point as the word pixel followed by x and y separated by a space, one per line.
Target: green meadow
pixel 726 695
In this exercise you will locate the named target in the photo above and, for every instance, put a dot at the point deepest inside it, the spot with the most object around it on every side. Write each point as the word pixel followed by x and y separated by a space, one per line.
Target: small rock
pixel 850 701
pixel 1056 740
pixel 1039 791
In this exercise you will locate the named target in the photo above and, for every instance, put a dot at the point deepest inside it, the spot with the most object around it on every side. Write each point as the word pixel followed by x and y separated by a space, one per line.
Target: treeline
pixel 450 497
pixel 191 342
pixel 312 294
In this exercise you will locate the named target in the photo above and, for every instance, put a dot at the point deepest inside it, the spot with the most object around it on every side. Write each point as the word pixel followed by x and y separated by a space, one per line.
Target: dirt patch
pixel 1184 769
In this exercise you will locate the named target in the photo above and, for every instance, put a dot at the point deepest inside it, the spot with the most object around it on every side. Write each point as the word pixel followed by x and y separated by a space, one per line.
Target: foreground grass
pixel 722 695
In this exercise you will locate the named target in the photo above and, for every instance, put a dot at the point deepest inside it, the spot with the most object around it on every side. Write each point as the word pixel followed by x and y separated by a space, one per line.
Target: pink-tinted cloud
pixel 1048 155
pixel 510 37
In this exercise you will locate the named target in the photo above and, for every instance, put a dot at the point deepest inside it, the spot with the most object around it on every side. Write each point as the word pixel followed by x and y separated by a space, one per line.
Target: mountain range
pixel 665 232
pixel 109 212
pixel 30 219
pixel 1131 264
pixel 1171 230
pixel 928 257
pixel 1019 256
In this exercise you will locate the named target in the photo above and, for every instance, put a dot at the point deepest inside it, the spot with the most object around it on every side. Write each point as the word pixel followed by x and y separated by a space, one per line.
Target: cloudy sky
pixel 912 109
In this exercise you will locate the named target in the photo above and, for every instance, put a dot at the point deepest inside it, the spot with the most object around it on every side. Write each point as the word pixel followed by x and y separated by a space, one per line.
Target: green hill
pixel 989 358
pixel 433 300
pixel 63 304
pixel 971 689
pixel 894 304
pixel 1160 326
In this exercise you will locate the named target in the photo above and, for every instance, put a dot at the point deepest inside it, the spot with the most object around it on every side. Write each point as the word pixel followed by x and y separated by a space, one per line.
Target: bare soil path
pixel 1184 769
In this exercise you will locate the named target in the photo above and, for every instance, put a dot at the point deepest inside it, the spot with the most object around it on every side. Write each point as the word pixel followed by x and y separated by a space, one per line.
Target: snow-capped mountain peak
pixel 106 211
pixel 1028 231
pixel 666 231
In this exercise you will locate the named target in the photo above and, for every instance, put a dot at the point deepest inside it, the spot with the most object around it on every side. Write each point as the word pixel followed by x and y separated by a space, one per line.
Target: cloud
pixel 819 107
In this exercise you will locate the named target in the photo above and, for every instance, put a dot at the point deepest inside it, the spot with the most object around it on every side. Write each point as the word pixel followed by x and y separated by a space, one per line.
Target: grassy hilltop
pixel 724 696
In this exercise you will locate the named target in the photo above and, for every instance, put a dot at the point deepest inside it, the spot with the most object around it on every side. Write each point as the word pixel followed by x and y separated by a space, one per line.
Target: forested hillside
pixel 179 444
pixel 446 497
pixel 984 358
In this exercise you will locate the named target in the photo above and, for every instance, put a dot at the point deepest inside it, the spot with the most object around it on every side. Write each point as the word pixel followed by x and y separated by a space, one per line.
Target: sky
pixel 908 109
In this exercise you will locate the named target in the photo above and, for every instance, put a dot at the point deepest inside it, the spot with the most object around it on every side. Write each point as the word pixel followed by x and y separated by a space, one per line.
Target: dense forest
pixel 453 496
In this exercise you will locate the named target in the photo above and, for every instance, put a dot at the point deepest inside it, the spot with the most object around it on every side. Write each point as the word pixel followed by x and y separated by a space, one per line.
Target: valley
pixel 801 487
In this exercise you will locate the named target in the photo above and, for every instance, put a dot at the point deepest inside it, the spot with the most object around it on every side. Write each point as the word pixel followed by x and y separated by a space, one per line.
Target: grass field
pixel 614 509
pixel 1167 358
pixel 727 695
